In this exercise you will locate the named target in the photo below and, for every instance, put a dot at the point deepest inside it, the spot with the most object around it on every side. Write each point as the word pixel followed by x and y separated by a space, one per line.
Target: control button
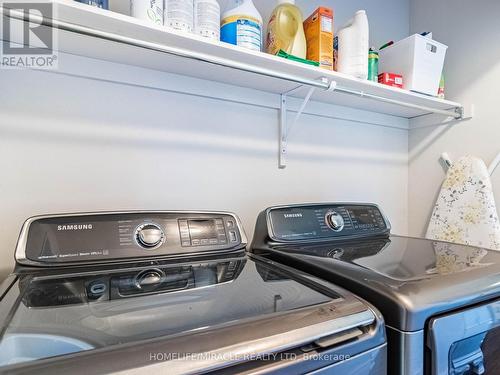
pixel 230 224
pixel 149 278
pixel 186 243
pixel 232 236
pixel 195 242
pixel 213 241
pixel 149 236
pixel 219 222
pixel 335 221
pixel 204 241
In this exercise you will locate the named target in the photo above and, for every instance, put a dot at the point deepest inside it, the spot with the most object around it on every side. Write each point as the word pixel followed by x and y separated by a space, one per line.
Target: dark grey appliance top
pixel 96 238
pixel 407 279
pixel 215 302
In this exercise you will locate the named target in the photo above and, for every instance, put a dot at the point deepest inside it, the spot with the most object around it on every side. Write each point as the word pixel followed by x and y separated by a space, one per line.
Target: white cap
pixel 362 11
pixel 286 1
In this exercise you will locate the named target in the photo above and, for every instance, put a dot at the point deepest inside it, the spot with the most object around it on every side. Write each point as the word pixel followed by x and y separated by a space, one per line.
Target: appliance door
pixel 466 342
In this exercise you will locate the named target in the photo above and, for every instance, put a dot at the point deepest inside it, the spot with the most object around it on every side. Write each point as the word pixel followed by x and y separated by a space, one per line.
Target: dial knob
pixel 149 236
pixel 335 221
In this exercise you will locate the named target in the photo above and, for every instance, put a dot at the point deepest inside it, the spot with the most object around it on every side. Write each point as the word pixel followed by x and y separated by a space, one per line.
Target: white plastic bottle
pixel 353 45
pixel 207 18
pixel 241 25
pixel 179 14
pixel 147 10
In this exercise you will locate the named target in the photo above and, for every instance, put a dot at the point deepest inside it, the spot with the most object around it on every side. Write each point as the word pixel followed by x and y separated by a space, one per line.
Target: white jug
pixel 353 45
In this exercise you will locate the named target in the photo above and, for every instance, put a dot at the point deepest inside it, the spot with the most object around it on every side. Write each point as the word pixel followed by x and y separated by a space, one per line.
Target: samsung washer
pixel 440 301
pixel 173 292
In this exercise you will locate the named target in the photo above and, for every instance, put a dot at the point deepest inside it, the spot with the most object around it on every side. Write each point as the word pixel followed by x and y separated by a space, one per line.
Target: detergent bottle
pixel 353 45
pixel 286 30
pixel 241 25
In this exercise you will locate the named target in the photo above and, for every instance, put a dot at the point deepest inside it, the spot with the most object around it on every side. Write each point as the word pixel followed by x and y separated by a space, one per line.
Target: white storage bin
pixel 418 59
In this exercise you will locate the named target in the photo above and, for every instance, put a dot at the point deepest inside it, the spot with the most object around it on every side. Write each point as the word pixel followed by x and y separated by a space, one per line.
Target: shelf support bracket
pixel 282 133
pixel 284 129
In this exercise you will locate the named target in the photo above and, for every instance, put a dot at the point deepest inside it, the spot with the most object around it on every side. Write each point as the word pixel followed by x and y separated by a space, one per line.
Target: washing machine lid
pixel 198 307
pixel 407 279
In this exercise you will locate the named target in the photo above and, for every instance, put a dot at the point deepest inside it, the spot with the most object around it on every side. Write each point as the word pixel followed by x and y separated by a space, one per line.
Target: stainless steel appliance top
pixel 408 279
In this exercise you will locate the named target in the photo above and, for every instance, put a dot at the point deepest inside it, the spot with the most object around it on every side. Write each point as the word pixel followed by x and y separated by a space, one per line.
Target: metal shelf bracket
pixel 284 128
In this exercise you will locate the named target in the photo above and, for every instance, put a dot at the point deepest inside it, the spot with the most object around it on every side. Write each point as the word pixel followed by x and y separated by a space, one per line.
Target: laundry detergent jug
pixel 286 30
pixel 242 25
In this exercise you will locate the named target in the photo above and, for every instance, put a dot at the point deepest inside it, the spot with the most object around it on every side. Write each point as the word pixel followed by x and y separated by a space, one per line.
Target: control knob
pixel 335 221
pixel 149 236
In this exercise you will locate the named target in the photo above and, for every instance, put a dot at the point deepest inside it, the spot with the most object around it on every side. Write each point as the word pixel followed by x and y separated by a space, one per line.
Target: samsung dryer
pixel 440 301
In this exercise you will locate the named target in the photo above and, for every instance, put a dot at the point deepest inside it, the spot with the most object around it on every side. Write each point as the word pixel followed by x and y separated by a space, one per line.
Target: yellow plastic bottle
pixel 286 30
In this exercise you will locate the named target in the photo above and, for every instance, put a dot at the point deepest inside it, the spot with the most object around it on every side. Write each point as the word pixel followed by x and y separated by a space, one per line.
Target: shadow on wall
pixel 117 136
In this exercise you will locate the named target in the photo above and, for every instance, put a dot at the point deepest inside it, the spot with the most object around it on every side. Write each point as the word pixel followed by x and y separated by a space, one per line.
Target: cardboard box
pixel 391 79
pixel 319 36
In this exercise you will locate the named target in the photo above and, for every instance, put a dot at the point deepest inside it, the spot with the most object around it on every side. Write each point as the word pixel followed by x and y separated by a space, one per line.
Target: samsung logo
pixel 289 216
pixel 74 227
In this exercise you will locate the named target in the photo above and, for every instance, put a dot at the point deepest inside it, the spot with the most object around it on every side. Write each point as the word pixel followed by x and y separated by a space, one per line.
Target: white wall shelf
pixel 104 35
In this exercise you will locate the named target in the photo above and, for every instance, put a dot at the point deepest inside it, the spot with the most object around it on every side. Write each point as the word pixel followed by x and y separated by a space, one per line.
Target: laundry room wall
pixel 81 139
pixel 471 30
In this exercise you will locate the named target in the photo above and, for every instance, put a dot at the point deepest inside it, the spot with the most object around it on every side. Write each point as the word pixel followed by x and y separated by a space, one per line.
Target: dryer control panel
pixel 325 221
pixel 101 237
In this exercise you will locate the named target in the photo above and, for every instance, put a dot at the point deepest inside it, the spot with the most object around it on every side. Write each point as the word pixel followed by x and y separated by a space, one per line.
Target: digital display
pixel 202 229
pixel 362 216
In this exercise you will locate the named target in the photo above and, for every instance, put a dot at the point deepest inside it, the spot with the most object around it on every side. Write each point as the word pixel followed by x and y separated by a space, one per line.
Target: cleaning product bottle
pixel 147 10
pixel 242 25
pixel 373 58
pixel 353 44
pixel 286 31
pixel 178 14
pixel 207 18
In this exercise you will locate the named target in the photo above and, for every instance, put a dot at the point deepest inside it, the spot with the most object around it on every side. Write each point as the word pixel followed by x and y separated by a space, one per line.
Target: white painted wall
pixel 75 143
pixel 472 31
